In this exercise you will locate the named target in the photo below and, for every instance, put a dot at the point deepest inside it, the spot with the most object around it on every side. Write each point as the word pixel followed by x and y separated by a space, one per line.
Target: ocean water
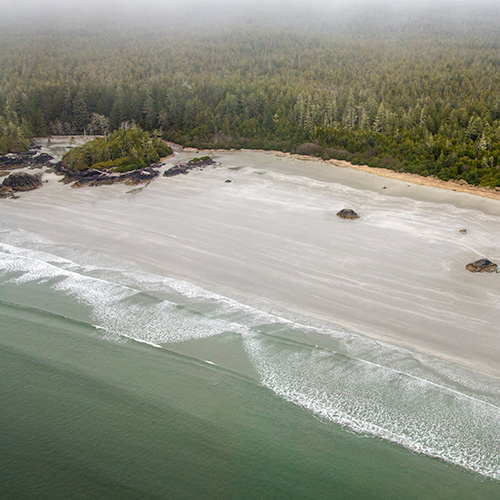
pixel 122 383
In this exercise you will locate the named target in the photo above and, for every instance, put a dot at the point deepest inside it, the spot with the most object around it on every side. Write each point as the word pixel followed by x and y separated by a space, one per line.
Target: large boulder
pixel 347 213
pixel 482 266
pixel 21 181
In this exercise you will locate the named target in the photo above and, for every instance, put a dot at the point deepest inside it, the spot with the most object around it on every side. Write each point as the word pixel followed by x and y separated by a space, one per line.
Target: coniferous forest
pixel 407 90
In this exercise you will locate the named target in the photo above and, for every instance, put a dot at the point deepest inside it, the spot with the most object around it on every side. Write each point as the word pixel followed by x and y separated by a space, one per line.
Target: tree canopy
pixel 416 93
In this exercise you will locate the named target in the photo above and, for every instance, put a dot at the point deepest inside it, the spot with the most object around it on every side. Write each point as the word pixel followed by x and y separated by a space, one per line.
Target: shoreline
pixel 430 181
pixel 491 193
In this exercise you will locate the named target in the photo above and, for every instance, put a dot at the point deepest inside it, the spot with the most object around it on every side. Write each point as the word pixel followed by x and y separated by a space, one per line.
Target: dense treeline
pixel 415 93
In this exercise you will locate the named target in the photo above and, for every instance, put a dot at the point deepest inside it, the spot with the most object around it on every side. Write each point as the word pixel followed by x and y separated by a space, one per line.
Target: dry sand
pixel 271 238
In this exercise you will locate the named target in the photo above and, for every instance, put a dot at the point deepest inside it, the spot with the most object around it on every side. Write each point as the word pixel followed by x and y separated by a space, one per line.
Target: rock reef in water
pixel 347 213
pixel 482 266
pixel 21 181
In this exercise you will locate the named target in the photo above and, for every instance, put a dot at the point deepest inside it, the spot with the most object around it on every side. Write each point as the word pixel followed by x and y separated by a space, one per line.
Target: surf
pixel 368 387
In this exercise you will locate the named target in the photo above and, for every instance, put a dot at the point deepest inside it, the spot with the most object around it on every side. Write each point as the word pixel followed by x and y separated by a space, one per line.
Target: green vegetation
pixel 200 159
pixel 13 137
pixel 123 151
pixel 411 92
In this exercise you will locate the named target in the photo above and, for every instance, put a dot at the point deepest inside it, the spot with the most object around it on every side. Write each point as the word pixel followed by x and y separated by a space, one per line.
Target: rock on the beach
pixel 347 213
pixel 482 266
pixel 43 159
pixel 5 192
pixel 21 181
pixel 30 158
pixel 184 168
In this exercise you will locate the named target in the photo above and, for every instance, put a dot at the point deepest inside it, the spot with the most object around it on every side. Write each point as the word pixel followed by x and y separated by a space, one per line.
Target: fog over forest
pixel 318 12
pixel 409 86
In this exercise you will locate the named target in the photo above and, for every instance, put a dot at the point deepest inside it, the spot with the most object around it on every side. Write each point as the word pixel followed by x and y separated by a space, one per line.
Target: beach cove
pixel 256 288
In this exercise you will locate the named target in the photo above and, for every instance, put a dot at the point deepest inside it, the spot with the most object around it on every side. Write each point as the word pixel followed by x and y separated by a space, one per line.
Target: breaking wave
pixel 374 389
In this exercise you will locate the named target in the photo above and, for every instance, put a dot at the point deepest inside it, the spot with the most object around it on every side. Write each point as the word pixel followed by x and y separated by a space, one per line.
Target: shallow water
pixel 123 381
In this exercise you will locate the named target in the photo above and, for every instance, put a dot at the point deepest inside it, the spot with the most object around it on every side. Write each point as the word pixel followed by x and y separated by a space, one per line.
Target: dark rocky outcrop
pixel 184 168
pixel 42 160
pixel 31 158
pixel 94 177
pixel 227 181
pixel 347 213
pixel 482 266
pixel 463 231
pixel 21 181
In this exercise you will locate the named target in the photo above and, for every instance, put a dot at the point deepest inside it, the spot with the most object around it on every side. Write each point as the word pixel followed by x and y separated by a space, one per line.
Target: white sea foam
pixel 374 400
pixel 120 309
pixel 424 404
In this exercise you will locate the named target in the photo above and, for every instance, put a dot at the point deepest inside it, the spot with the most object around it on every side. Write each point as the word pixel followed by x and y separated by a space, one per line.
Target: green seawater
pixel 84 416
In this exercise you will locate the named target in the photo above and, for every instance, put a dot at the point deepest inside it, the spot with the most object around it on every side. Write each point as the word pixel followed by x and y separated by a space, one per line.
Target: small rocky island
pixel 347 213
pixel 482 266
pixel 129 155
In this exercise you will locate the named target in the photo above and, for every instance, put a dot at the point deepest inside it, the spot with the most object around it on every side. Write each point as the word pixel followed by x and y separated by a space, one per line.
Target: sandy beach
pixel 272 239
pixel 429 181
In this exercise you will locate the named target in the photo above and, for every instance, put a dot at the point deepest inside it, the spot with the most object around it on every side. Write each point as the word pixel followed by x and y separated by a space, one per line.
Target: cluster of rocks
pixel 184 168
pixel 94 177
pixel 31 158
pixel 22 181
